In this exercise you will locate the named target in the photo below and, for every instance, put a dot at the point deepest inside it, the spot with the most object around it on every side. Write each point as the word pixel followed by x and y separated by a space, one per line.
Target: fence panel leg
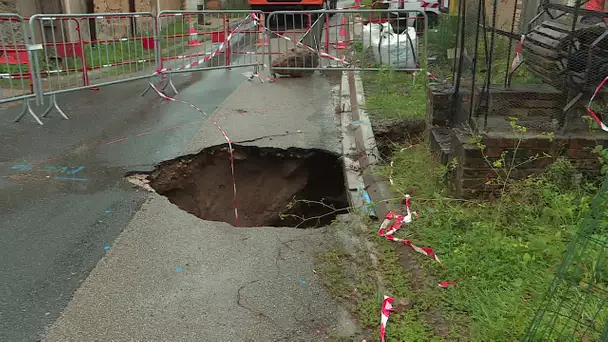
pixel 170 84
pixel 54 105
pixel 27 109
pixel 147 89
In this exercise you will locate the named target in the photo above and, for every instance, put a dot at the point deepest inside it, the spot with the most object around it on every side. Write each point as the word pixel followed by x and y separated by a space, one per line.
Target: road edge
pixel 366 187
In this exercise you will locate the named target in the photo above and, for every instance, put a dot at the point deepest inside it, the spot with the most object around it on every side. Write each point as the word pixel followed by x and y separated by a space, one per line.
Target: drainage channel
pixel 293 187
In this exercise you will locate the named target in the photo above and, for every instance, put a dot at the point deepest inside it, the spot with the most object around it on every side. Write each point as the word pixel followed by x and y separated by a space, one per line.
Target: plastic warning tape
pixel 300 44
pixel 591 111
pixel 393 222
pixel 214 53
pixel 385 312
pixel 447 284
pixel 426 4
pixel 517 60
pixel 166 97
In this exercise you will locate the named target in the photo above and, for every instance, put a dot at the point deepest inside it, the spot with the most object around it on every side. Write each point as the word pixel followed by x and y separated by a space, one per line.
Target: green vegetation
pixel 395 95
pixel 116 52
pixel 502 253
pixel 443 39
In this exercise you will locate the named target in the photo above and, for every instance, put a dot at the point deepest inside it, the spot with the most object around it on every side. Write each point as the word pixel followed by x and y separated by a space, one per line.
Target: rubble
pixel 297 58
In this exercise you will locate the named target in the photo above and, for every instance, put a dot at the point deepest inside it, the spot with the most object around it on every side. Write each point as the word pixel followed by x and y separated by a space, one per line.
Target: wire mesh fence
pixel 575 307
pixel 552 53
pixel 537 63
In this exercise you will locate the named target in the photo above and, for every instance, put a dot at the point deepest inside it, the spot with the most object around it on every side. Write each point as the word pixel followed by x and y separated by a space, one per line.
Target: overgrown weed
pixel 502 259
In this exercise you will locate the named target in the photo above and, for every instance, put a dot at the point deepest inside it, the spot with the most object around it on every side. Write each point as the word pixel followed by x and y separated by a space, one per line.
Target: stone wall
pixel 504 14
pixel 11 31
pixel 114 6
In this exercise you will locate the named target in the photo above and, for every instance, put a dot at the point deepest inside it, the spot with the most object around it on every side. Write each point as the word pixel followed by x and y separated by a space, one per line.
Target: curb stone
pixel 352 166
pixel 358 139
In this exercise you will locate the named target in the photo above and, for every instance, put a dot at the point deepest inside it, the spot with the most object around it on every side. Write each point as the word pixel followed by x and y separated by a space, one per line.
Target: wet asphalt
pixel 64 198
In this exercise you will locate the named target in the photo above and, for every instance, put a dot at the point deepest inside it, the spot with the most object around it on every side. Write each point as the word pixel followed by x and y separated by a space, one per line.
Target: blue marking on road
pixel 178 269
pixel 72 179
pixel 69 170
pixel 22 167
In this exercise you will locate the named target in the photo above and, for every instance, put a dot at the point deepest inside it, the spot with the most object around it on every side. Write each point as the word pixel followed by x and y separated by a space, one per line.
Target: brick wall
pixel 473 176
pixel 473 172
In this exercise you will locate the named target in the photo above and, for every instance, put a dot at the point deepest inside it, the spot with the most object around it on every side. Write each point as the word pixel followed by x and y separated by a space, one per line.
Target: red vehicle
pixel 267 6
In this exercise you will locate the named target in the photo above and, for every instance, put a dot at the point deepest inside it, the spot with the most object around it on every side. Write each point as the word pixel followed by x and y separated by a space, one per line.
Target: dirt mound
pixel 297 58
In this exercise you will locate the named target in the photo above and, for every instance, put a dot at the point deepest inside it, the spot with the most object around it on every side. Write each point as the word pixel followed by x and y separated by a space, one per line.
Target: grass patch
pixel 503 259
pixel 361 284
pixel 444 38
pixel 395 95
pixel 503 253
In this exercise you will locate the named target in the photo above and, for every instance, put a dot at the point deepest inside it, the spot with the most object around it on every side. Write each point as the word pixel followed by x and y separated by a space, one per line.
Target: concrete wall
pixel 191 5
pixel 11 31
pixel 76 7
pixel 170 4
pixel 113 6
pixel 504 13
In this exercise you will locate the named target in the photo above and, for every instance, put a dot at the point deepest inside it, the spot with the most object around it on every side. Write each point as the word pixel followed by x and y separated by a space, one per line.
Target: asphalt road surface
pixel 65 200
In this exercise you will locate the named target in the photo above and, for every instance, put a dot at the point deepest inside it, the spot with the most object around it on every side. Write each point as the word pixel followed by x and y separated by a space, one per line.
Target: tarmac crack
pixel 267 137
pixel 246 305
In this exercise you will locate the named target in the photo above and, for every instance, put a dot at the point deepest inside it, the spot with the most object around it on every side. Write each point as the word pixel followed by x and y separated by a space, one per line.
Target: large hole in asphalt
pixel 301 188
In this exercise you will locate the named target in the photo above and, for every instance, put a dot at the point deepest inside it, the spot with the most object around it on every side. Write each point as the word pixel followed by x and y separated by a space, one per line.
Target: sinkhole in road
pixel 291 187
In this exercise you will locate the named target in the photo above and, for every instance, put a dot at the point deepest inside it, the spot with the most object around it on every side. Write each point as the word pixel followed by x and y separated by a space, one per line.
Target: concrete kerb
pixel 352 166
pixel 361 155
pixel 360 151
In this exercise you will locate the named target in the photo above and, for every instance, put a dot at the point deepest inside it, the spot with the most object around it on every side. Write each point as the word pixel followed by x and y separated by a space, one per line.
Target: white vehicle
pixel 432 9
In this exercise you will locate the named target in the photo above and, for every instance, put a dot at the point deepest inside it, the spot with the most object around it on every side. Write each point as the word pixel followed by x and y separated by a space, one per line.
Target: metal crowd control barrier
pixel 70 52
pixel 344 32
pixel 16 72
pixel 84 51
pixel 204 40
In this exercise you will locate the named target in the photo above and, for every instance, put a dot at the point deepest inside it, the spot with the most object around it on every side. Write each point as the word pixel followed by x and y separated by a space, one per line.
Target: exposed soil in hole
pixel 285 188
pixel 390 132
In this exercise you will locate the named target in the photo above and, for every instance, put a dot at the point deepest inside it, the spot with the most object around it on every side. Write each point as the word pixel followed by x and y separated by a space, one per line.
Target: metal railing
pixel 335 40
pixel 84 51
pixel 198 35
pixel 16 72
pixel 64 53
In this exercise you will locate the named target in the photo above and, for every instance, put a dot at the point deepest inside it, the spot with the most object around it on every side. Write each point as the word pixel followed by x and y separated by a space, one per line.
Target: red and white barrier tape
pixel 385 312
pixel 393 222
pixel 300 44
pixel 236 212
pixel 213 54
pixel 426 5
pixel 591 111
pixel 447 284
pixel 517 60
